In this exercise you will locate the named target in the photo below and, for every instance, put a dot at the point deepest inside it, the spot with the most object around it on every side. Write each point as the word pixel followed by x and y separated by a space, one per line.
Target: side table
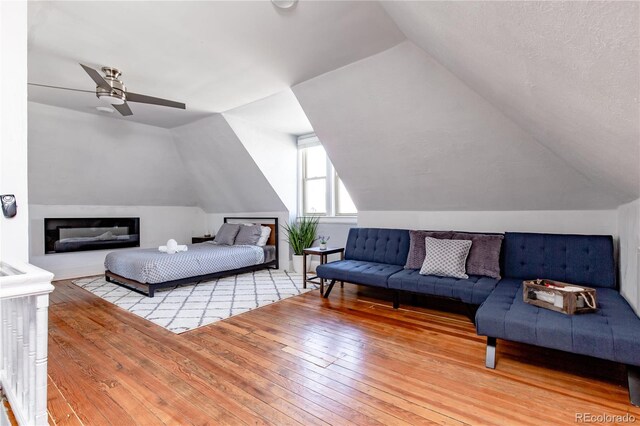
pixel 315 251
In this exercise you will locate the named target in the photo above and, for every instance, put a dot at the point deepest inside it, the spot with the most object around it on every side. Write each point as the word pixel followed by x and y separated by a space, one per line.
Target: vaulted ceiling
pixel 214 56
pixel 420 105
pixel 566 72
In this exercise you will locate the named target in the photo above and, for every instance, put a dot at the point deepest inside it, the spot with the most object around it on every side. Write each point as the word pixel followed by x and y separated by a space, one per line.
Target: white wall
pixel 157 225
pixel 79 158
pixel 629 231
pixel 553 221
pixel 14 241
pixel 222 172
pixel 275 153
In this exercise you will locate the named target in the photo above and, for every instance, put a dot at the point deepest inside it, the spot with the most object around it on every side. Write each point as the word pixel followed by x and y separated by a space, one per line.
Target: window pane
pixel 345 203
pixel 316 162
pixel 315 196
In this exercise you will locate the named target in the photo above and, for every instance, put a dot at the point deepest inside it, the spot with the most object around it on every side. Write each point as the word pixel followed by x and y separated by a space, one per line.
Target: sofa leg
pixel 396 299
pixel 329 288
pixel 490 360
pixel 633 377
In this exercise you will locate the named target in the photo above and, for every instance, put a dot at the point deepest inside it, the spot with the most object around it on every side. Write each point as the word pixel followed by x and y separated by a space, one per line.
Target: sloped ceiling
pixel 280 113
pixel 83 159
pixel 566 72
pixel 214 55
pixel 404 133
pixel 222 172
pixel 274 153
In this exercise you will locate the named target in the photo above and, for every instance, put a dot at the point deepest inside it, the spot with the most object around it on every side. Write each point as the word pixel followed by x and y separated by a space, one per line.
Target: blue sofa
pixel 376 257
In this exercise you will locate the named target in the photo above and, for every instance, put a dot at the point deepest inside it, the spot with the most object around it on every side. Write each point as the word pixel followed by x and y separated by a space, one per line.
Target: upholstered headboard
pixel 577 259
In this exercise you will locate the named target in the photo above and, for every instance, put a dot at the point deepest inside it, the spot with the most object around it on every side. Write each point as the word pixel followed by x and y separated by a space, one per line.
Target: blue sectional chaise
pixel 612 332
pixel 376 257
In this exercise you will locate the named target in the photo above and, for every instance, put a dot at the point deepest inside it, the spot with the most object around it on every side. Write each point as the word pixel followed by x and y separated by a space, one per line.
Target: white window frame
pixel 336 197
pixel 331 180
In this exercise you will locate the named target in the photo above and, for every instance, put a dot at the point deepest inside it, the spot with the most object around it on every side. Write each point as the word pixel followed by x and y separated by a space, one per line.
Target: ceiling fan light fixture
pixel 112 98
pixel 284 4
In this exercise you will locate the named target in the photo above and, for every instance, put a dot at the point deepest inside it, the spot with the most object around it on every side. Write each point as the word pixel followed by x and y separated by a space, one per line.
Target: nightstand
pixel 196 240
pixel 315 251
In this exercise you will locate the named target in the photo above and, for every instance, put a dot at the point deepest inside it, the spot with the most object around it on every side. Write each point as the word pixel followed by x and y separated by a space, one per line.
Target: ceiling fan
pixel 112 90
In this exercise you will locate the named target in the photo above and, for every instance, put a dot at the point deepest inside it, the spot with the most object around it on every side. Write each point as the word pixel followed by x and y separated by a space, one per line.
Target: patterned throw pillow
pixel 227 234
pixel 416 246
pixel 445 258
pixel 484 256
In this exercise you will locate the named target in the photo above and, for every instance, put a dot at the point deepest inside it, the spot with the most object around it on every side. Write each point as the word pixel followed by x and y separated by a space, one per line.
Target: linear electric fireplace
pixel 82 234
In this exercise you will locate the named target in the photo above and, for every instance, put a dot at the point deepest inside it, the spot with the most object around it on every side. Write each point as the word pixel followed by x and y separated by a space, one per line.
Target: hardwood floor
pixel 348 360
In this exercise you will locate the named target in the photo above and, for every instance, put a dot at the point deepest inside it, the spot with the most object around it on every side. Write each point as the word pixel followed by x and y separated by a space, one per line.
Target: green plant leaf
pixel 301 233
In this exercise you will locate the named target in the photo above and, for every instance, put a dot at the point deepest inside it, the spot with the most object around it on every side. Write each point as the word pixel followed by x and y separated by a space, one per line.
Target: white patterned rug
pixel 191 306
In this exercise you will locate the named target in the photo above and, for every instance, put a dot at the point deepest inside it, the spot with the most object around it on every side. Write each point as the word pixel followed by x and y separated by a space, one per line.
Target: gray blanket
pixel 151 266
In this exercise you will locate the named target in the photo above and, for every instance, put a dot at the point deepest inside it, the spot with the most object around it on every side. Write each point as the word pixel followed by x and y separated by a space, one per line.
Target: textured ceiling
pixel 566 72
pixel 488 106
pixel 280 112
pixel 406 134
pixel 222 172
pixel 215 56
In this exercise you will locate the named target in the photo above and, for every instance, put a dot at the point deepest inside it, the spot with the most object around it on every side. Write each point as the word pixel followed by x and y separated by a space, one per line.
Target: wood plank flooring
pixel 349 360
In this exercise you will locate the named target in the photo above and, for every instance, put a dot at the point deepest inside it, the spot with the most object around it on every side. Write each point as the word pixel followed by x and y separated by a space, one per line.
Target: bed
pixel 148 270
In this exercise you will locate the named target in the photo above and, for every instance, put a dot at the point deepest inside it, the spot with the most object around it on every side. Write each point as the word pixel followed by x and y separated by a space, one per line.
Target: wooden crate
pixel 555 295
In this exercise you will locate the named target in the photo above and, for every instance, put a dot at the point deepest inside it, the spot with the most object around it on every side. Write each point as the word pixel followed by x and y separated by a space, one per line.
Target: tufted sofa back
pixel 378 245
pixel 576 259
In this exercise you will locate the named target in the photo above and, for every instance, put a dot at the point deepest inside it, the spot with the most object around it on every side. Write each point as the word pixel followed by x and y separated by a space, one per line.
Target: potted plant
pixel 301 234
pixel 323 241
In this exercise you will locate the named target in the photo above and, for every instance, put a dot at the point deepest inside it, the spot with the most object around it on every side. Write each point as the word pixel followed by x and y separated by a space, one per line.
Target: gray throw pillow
pixel 248 235
pixel 416 246
pixel 445 258
pixel 227 234
pixel 484 257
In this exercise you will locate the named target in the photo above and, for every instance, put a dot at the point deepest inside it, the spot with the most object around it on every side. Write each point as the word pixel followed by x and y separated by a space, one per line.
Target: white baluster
pixel 42 324
pixel 19 324
pixel 31 407
pixel 24 301
pixel 13 355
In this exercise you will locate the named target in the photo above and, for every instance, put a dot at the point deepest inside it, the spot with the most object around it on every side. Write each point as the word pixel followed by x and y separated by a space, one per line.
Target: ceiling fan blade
pixel 62 88
pixel 144 99
pixel 123 109
pixel 95 76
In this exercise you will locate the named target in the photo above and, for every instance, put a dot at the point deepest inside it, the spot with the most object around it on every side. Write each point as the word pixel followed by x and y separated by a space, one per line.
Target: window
pixel 321 193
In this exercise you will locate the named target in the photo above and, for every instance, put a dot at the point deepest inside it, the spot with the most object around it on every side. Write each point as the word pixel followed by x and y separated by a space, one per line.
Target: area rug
pixel 187 307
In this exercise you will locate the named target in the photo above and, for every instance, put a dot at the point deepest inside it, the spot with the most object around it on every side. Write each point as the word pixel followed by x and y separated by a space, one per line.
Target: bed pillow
pixel 264 236
pixel 248 235
pixel 446 258
pixel 484 257
pixel 416 246
pixel 227 234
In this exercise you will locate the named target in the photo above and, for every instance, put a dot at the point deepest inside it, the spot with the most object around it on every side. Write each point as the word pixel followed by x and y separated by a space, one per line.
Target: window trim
pixel 306 179
pixel 331 181
pixel 336 196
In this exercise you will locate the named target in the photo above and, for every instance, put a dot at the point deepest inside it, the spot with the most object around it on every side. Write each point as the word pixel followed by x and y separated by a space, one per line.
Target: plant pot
pixel 297 264
pixel 323 246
